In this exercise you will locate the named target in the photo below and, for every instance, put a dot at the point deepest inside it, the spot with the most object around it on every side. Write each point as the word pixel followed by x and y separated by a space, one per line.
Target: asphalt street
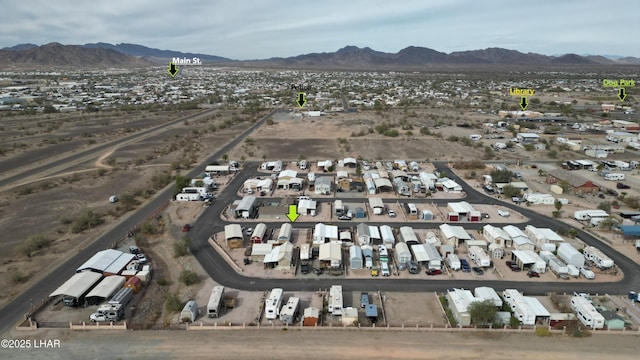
pixel 222 272
pixel 95 151
pixel 14 310
pixel 219 269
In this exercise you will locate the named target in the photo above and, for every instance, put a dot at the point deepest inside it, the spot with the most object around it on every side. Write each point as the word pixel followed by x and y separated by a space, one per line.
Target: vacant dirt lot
pixel 127 169
pixel 297 344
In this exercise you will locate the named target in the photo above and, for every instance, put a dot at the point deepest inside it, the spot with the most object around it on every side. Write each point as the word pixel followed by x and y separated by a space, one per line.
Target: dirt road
pixel 327 344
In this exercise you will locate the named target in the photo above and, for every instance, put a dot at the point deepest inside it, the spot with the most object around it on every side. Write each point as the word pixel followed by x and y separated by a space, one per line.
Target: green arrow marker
pixel 524 103
pixel 301 99
pixel 622 94
pixel 293 213
pixel 173 69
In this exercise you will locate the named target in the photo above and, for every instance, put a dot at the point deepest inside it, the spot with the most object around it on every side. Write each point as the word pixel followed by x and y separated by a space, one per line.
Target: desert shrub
pixel 86 220
pixel 188 277
pixel 181 247
pixel 542 331
pixel 33 244
pixel 172 303
pixel 149 228
pixel 17 277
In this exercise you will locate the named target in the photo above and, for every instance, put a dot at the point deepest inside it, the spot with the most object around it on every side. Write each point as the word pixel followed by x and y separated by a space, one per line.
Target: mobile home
pixel 614 176
pixel 596 256
pixel 586 312
pixel 289 311
pixel 190 312
pixel 335 300
pixel 215 302
pixel 272 304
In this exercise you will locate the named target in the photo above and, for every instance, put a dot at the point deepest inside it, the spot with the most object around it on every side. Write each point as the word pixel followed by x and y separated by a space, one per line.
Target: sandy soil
pixel 349 344
pixel 22 215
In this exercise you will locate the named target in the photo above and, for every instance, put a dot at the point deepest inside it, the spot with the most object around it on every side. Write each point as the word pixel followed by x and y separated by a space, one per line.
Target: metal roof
pixel 103 260
pixel 107 287
pixel 78 284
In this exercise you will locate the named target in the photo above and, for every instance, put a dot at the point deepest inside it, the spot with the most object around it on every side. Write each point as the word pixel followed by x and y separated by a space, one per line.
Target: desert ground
pixel 333 344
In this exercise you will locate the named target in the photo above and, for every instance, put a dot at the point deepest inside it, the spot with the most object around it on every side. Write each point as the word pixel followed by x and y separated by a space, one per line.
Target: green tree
pixel 482 312
pixel 128 202
pixel 181 182
pixel 605 205
pixel 558 205
pixel 607 223
pixel 510 191
pixel 501 176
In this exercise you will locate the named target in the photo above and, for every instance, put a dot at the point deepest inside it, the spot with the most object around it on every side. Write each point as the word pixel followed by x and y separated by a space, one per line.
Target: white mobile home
pixel 215 302
pixel 272 304
pixel 355 257
pixel 290 310
pixel 190 312
pixel 305 252
pixel 521 309
pixel 284 235
pixel 586 312
pixel 188 197
pixel 453 262
pixel 403 255
pixel 599 258
pixel 479 256
pixel 386 233
pixel 589 214
pixel 376 204
pixel 408 236
pixel 335 300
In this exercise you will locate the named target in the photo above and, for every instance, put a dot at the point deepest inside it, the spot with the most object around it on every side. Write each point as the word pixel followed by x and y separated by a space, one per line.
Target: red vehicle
pixel 532 273
pixel 434 272
pixel 513 265
pixel 186 228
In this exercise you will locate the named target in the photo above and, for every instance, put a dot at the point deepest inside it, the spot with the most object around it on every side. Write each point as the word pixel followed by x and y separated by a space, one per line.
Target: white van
pixel 614 176
pixel 385 269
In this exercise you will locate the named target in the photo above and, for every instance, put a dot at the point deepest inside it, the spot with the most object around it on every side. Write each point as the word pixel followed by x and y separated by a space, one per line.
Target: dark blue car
pixel 464 265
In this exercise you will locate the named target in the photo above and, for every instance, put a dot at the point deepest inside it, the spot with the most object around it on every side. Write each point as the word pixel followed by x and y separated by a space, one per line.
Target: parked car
pixel 612 192
pixel 413 267
pixel 317 271
pixel 513 265
pixel 477 270
pixel 532 273
pixel 486 216
pixel 374 271
pixel 344 217
pixel 464 265
pixel 305 268
pixel 622 186
pixel 517 199
pixel 503 213
pixel 391 213
pixel 385 269
pixel 141 258
pixel 134 249
pixel 186 228
pixel 434 272
pixel 489 189
pixel 249 231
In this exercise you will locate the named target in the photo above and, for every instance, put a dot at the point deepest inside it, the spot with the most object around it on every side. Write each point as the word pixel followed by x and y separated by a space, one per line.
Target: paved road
pixel 219 270
pixel 14 310
pixel 72 159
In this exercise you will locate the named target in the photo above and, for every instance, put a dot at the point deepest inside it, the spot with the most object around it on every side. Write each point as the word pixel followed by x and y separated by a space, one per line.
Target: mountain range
pixel 349 57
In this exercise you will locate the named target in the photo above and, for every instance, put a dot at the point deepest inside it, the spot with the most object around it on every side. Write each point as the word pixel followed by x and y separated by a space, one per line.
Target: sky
pixel 254 29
